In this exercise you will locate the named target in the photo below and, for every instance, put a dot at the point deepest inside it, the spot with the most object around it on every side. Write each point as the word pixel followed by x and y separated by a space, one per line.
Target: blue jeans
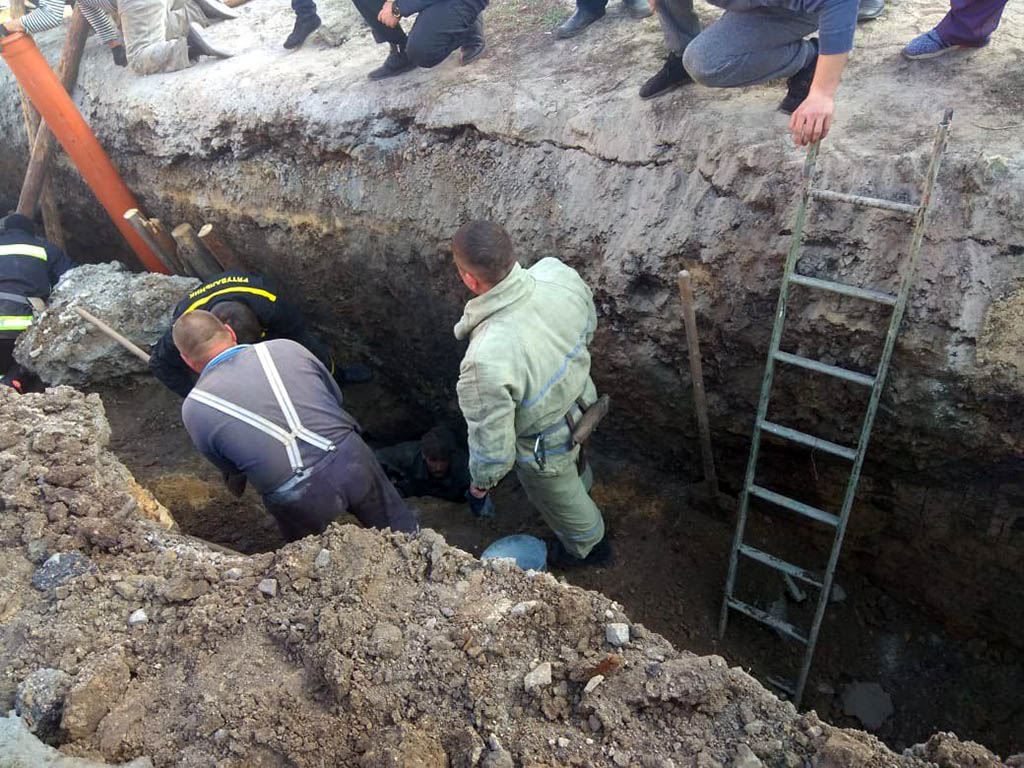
pixel 304 8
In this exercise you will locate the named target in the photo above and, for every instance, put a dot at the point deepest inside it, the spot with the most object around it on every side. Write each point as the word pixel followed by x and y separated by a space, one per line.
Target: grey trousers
pixel 154 33
pixel 741 48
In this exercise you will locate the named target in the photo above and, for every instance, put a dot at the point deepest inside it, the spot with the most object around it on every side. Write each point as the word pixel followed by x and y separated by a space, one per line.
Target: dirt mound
pixel 62 348
pixel 354 647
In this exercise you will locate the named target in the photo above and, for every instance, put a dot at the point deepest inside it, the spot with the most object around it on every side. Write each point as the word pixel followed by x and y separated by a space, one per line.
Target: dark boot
pixel 672 75
pixel 304 27
pixel 475 43
pixel 870 9
pixel 396 63
pixel 800 84
pixel 638 9
pixel 560 558
pixel 576 23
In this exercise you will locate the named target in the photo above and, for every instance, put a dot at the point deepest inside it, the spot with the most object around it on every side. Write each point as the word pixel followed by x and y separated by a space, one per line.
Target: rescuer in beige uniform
pixel 525 381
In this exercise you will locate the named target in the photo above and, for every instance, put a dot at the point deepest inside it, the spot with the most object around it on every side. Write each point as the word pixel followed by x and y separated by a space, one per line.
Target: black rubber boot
pixel 396 63
pixel 672 75
pixel 475 43
pixel 304 27
pixel 638 9
pixel 870 9
pixel 576 23
pixel 800 84
pixel 600 556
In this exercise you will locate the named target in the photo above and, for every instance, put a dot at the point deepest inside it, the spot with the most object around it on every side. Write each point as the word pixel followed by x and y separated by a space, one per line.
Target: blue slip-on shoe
pixel 928 46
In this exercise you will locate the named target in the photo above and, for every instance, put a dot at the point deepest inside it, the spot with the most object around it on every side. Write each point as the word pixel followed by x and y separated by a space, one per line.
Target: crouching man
pixel 524 384
pixel 271 414
pixel 441 26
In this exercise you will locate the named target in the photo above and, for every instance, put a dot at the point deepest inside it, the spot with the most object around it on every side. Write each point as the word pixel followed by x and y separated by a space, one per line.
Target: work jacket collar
pixel 517 285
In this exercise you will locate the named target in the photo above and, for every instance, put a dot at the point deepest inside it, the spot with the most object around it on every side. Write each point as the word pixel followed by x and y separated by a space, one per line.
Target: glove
pixel 481 507
pixel 120 57
pixel 235 484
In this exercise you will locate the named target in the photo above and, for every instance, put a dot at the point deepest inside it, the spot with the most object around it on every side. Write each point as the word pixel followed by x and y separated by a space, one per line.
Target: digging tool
pixel 700 400
pixel 108 331
pixel 221 251
pixel 195 253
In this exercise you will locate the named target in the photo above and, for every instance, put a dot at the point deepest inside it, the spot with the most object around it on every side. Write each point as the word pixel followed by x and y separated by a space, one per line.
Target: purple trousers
pixel 349 479
pixel 970 22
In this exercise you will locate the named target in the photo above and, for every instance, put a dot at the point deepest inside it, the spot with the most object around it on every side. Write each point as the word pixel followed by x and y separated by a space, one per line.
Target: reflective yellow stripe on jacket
pixel 237 289
pixel 15 322
pixel 18 249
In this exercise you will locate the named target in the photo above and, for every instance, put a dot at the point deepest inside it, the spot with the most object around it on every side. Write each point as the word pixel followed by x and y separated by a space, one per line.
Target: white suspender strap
pixel 253 420
pixel 285 402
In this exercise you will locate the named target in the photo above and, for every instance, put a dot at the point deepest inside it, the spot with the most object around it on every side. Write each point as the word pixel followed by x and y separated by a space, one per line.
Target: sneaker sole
pixel 663 91
pixel 934 55
pixel 396 73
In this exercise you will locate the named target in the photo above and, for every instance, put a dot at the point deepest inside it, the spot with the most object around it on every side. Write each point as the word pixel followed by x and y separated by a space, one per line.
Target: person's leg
pixel 364 489
pixel 370 9
pixel 440 29
pixel 144 25
pixel 679 25
pixel 558 494
pixel 970 22
pixel 749 47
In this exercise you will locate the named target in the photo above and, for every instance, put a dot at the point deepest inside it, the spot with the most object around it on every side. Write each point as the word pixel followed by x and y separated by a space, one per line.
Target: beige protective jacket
pixel 526 364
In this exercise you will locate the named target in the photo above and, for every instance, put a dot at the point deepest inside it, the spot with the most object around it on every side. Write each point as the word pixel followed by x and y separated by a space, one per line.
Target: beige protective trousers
pixel 154 33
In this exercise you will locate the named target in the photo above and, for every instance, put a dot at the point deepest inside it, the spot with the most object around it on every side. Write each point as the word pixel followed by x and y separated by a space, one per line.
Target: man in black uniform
pixel 29 268
pixel 228 295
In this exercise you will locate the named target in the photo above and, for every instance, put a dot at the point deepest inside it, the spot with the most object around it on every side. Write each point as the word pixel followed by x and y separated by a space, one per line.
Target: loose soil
pixel 668 574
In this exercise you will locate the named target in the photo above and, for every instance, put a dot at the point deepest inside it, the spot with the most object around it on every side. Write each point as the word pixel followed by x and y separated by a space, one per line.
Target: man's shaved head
pixel 243 321
pixel 200 336
pixel 485 250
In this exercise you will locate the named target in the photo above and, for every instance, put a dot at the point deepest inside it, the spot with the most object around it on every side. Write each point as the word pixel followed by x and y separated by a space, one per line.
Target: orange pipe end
pixel 46 93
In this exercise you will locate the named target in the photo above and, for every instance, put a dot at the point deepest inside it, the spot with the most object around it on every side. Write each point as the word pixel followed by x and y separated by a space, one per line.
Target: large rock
pixel 62 348
pixel 347 194
pixel 19 748
pixel 40 701
pixel 97 689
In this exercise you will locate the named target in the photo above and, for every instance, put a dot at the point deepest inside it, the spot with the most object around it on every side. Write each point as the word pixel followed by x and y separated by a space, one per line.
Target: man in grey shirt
pixel 270 413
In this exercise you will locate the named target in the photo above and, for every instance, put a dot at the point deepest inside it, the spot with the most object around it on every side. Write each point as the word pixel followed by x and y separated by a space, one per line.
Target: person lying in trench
pixel 256 312
pixel 434 466
pixel 759 40
pixel 270 414
pixel 441 26
pixel 159 35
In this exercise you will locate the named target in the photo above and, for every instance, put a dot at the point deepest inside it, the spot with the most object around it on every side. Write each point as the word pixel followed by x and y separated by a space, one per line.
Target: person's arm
pixel 837 23
pixel 105 29
pixel 393 10
pixel 57 263
pixel 812 120
pixel 489 410
pixel 48 15
pixel 166 364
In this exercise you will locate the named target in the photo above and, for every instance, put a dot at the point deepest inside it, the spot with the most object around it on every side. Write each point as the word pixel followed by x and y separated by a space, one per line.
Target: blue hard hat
pixel 529 552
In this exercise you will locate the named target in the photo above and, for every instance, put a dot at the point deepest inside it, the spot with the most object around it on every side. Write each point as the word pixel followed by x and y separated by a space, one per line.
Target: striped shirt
pixel 50 13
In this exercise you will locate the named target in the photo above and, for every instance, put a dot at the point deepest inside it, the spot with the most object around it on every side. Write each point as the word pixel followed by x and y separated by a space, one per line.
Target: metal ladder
pixel 876 383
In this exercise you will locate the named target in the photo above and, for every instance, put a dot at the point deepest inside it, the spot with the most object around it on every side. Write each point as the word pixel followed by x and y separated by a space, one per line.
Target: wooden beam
pixel 194 253
pixel 140 224
pixel 215 244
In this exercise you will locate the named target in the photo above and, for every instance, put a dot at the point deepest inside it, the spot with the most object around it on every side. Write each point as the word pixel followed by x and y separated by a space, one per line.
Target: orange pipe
pixel 48 96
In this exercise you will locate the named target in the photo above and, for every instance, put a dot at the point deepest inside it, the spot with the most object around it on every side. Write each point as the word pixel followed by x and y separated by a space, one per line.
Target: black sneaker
pixel 304 27
pixel 396 63
pixel 800 84
pixel 672 75
pixel 559 557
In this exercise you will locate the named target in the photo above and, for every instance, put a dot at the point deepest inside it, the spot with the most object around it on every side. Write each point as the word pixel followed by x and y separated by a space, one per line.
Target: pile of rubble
pixel 123 639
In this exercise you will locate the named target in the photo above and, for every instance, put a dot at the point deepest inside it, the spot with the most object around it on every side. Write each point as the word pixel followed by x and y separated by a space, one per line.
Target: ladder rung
pixel 846 290
pixel 865 202
pixel 766 618
pixel 780 565
pixel 831 370
pixel 796 506
pixel 809 440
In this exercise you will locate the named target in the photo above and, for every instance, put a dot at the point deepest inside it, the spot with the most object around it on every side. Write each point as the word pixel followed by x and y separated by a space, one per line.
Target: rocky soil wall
pixel 347 193
pixel 121 640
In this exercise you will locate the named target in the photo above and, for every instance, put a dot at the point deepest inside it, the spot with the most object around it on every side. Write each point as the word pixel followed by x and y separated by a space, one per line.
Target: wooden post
pixel 167 244
pixel 139 223
pixel 43 145
pixel 700 400
pixel 108 331
pixel 194 253
pixel 215 244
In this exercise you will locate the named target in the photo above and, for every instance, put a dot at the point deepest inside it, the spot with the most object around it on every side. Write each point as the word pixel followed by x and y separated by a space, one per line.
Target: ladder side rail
pixel 766 383
pixel 876 393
